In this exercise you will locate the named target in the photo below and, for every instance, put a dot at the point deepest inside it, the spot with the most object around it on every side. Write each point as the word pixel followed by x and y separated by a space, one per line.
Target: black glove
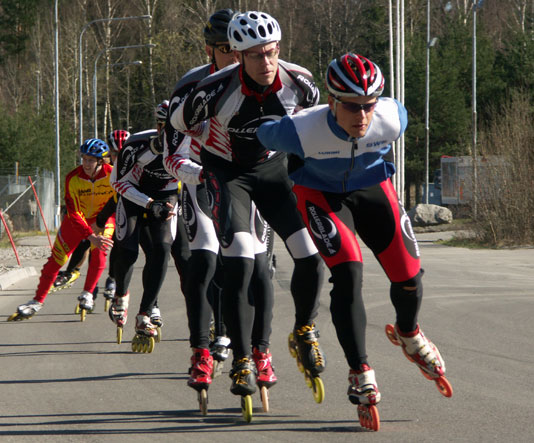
pixel 159 209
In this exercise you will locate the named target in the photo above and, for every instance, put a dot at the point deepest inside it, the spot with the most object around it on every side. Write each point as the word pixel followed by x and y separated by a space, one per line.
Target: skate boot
pixel 200 376
pixel 145 334
pixel 421 351
pixel 109 292
pixel 26 310
pixel 243 375
pixel 364 393
pixel 266 377
pixel 65 280
pixel 304 347
pixel 220 351
pixel 157 321
pixel 118 311
pixel 85 304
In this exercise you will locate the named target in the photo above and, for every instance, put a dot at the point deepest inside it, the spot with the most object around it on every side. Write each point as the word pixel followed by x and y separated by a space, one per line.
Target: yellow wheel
pixel 135 347
pixel 13 317
pixel 150 344
pixel 318 389
pixel 203 401
pixel 291 345
pixel 119 335
pixel 83 312
pixel 264 395
pixel 77 309
pixel 107 304
pixel 158 337
pixel 246 408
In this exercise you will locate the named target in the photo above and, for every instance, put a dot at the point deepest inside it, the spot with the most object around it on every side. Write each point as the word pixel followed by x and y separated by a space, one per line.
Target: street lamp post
pixel 80 60
pixel 95 118
pixel 114 48
pixel 429 44
pixel 475 181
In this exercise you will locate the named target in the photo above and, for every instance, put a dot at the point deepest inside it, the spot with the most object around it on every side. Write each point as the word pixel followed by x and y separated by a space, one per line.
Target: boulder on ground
pixel 429 215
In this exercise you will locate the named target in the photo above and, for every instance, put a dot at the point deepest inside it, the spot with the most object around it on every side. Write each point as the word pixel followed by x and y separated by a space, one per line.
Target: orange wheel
pixel 375 418
pixel 444 386
pixel 392 335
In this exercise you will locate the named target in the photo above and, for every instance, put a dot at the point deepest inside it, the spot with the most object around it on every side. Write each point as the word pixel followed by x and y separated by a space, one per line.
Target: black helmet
pixel 215 30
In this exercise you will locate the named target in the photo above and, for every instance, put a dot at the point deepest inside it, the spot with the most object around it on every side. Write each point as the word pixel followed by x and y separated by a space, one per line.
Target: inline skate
pixel 85 305
pixel 26 310
pixel 304 347
pixel 243 375
pixel 421 351
pixel 266 377
pixel 145 334
pixel 220 351
pixel 364 393
pixel 118 313
pixel 65 280
pixel 200 376
pixel 109 293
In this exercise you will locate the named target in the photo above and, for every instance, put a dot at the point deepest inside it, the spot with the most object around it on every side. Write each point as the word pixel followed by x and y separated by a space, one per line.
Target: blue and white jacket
pixel 333 160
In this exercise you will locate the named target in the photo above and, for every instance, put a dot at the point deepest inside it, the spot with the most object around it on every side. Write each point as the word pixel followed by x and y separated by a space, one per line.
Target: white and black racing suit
pixel 223 112
pixel 182 160
pixel 139 177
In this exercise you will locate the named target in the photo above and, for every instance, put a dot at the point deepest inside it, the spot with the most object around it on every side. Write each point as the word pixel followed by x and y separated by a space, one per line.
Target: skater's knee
pixel 411 286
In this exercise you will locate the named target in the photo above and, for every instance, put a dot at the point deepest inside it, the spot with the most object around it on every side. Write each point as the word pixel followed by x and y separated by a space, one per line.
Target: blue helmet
pixel 95 148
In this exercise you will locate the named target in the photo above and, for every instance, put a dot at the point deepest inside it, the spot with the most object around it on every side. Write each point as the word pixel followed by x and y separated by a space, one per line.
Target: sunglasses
pixel 259 56
pixel 224 48
pixel 356 107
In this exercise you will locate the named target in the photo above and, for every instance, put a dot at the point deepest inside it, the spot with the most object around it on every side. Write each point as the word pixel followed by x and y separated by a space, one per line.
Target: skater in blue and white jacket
pixel 342 183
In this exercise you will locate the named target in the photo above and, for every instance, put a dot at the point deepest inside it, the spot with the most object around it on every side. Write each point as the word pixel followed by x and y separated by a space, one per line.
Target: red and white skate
pixel 421 351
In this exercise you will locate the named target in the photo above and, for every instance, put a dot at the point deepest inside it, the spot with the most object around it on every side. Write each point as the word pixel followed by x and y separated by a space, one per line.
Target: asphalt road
pixel 63 380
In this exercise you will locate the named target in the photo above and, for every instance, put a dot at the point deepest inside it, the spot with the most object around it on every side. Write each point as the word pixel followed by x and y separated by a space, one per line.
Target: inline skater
pixel 87 189
pixel 343 187
pixel 182 160
pixel 147 200
pixel 115 140
pixel 223 112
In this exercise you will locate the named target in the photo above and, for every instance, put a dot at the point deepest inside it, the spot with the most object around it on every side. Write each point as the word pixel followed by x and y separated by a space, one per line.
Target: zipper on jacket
pixel 353 149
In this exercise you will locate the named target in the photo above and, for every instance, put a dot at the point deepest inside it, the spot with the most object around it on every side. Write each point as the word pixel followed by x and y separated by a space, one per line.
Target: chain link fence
pixel 18 203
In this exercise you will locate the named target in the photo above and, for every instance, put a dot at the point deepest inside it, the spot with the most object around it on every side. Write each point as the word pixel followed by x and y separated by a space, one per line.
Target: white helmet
pixel 252 28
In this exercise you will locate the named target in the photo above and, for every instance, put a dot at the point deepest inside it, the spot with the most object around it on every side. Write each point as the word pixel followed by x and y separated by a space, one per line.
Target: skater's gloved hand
pixel 161 210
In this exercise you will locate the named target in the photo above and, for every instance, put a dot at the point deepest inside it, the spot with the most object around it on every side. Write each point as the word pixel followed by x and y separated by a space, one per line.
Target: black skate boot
pixel 309 352
pixel 243 375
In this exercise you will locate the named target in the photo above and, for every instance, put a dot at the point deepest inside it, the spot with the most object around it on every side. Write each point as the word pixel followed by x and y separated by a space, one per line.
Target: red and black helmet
pixel 353 75
pixel 116 140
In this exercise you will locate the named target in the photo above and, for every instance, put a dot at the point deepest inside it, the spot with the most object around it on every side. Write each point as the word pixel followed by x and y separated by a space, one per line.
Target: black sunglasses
pixel 224 48
pixel 356 107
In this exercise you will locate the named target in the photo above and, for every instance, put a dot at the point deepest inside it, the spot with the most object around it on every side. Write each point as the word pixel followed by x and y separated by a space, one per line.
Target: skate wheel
pixel 318 389
pixel 444 386
pixel 151 343
pixel 392 335
pixel 203 401
pixel 291 345
pixel 107 304
pixel 13 317
pixel 264 395
pixel 246 408
pixel 77 309
pixel 119 335
pixel 158 337
pixel 83 313
pixel 369 417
